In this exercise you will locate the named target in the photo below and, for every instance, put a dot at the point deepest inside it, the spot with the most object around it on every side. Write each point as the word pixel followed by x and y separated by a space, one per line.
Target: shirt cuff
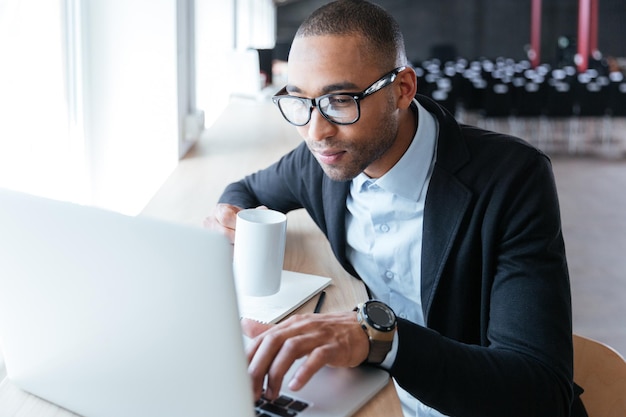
pixel 391 356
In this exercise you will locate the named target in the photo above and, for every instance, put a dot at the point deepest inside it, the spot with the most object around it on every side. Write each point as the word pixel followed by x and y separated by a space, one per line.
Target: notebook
pixel 113 316
pixel 295 289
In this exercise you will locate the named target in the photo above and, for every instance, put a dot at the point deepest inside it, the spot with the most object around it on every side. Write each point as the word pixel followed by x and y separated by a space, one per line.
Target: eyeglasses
pixel 339 108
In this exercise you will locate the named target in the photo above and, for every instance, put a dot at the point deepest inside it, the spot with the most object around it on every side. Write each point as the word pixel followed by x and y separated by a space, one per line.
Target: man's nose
pixel 319 127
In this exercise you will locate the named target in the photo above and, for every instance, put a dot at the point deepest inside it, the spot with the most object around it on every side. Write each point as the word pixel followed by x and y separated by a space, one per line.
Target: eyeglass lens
pixel 337 108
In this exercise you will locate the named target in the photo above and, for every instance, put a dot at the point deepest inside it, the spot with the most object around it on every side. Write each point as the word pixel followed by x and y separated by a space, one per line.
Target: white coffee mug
pixel 259 251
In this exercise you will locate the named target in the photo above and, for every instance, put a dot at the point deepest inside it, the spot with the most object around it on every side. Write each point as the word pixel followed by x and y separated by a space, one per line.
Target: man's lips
pixel 329 157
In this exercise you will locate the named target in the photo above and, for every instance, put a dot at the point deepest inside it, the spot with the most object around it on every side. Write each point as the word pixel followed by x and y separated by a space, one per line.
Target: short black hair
pixel 374 24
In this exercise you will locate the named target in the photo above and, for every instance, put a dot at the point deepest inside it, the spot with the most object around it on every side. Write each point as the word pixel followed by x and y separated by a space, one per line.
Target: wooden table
pixel 307 251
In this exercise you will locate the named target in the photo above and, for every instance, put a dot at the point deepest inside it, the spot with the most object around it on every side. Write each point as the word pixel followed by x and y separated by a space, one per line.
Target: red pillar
pixel 593 27
pixel 535 33
pixel 584 13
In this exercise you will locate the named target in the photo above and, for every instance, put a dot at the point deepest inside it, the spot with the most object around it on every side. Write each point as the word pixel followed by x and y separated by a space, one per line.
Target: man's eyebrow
pixel 292 89
pixel 337 87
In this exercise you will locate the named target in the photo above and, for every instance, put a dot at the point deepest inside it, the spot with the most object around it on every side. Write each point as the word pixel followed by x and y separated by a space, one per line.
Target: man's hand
pixel 334 339
pixel 223 220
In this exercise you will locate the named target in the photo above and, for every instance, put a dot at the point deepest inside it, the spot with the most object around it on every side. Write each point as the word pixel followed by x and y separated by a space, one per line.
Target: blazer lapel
pixel 335 195
pixel 446 203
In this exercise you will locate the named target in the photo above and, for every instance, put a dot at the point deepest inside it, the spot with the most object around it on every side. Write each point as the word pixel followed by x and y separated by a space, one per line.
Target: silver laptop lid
pixel 114 316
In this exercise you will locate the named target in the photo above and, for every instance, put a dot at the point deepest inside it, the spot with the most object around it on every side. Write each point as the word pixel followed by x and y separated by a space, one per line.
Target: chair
pixel 601 372
pixel 617 98
pixel 446 99
pixel 559 124
pixel 593 97
pixel 592 104
pixel 531 98
pixel 498 100
pixel 498 106
pixel 616 105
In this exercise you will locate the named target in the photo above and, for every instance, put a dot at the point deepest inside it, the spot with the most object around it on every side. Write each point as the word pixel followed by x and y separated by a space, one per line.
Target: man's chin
pixel 338 174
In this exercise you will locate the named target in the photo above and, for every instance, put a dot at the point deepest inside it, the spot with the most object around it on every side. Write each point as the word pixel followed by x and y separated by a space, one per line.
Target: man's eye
pixel 339 101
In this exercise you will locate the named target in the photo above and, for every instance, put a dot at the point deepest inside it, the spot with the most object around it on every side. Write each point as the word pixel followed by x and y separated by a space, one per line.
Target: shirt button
pixel 389 275
pixel 384 228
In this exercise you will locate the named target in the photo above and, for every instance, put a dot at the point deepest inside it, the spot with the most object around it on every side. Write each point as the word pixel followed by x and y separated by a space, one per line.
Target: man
pixel 455 229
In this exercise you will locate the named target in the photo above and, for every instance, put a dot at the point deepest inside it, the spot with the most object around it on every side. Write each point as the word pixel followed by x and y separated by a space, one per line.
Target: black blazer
pixel 495 285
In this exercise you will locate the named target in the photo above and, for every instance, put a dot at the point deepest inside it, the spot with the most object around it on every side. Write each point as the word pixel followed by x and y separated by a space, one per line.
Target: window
pixel 97 98
pixel 37 153
pixel 90 109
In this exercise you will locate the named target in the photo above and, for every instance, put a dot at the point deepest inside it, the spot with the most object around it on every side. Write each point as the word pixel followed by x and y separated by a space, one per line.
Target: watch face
pixel 380 315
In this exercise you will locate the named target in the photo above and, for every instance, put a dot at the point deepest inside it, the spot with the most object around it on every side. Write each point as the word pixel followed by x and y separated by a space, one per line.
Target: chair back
pixel 601 372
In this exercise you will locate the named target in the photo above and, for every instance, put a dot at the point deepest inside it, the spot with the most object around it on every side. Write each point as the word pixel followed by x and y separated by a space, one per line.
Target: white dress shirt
pixel 384 235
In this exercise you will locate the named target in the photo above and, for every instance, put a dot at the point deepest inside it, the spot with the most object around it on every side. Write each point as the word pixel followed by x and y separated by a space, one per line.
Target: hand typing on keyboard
pixel 334 339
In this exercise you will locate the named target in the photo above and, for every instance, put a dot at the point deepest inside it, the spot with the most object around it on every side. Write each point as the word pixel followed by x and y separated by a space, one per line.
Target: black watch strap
pixel 378 351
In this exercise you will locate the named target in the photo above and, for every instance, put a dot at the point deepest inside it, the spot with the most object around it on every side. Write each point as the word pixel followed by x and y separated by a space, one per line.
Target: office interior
pixel 151 108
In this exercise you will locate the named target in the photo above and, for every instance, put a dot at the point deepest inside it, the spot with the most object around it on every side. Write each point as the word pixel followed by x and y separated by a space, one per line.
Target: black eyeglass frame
pixel 377 85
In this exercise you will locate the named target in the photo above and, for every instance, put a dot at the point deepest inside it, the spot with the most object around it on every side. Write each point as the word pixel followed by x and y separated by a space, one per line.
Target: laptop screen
pixel 109 315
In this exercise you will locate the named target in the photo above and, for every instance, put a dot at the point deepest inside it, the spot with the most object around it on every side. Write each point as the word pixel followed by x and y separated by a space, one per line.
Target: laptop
pixel 108 315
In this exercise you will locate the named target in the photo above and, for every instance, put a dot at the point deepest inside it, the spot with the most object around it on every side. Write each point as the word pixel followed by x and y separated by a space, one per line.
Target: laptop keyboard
pixel 283 406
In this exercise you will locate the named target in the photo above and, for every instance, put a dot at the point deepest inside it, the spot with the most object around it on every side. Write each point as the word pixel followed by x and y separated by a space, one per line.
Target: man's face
pixel 321 65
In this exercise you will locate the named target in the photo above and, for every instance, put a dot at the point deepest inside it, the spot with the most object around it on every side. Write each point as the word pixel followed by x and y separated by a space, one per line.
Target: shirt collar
pixel 408 176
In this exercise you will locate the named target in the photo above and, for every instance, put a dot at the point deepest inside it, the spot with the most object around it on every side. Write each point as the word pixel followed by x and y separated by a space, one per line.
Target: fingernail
pixel 294 384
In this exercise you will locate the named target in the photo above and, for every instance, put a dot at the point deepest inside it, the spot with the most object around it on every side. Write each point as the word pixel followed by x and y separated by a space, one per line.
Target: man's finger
pixel 253 328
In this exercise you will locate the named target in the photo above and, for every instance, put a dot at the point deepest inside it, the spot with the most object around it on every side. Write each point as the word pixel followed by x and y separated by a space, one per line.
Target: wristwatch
pixel 379 323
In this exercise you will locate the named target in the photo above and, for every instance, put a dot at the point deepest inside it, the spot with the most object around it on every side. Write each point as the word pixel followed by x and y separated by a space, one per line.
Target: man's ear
pixel 407 85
